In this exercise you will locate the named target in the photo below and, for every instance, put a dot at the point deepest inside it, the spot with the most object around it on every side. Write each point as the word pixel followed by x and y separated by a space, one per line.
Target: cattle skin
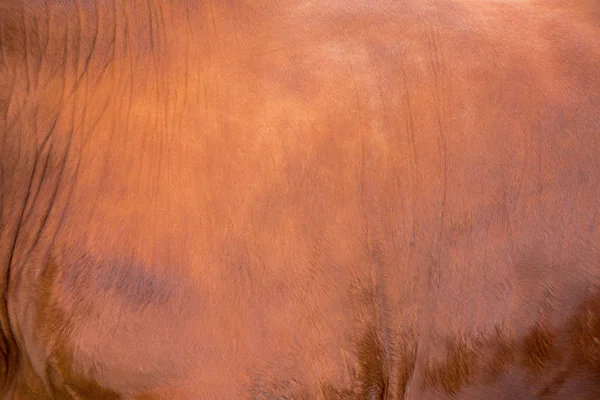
pixel 276 199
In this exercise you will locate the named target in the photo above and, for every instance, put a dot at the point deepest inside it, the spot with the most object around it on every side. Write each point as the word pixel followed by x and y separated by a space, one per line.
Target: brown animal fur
pixel 299 200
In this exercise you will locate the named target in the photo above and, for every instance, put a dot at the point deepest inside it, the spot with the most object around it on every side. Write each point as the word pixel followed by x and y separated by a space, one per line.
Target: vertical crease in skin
pixel 9 266
pixel 63 214
pixel 126 35
pixel 128 62
pixel 87 57
pixel 36 59
pixel 31 208
pixel 50 206
pixel 25 50
pixel 47 38
pixel 65 71
pixel 438 93
pixel 150 26
pixel 212 16
pixel 4 340
pixel 412 155
pixel 81 127
pixel 407 374
pixel 110 54
pixel 165 138
pixel 76 47
pixel 2 53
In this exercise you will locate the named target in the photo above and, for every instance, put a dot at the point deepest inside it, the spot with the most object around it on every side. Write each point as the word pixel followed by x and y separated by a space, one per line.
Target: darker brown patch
pixel 581 360
pixel 503 356
pixel 408 358
pixel 330 393
pixel 79 387
pixel 373 377
pixel 556 361
pixel 585 334
pixel 456 371
pixel 279 378
pixel 538 349
pixel 137 284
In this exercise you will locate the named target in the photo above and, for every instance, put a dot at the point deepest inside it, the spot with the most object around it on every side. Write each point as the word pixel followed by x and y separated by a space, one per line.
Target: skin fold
pixel 299 199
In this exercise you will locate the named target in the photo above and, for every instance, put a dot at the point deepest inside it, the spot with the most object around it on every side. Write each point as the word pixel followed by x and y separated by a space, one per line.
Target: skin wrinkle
pixel 435 66
pixel 342 200
pixel 25 51
pixel 29 205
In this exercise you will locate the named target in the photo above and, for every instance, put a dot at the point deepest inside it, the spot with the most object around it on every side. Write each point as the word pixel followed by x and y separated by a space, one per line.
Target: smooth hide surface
pixel 299 199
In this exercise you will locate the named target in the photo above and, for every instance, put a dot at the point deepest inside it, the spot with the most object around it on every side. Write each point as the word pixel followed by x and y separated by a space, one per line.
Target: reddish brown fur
pixel 293 199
